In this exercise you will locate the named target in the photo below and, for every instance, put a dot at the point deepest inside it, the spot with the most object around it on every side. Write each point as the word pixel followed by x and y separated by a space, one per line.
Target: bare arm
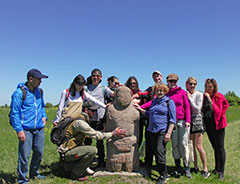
pixel 169 132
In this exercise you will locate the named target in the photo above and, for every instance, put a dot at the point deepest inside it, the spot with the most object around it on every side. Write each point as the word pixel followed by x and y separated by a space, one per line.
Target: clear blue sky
pixel 62 38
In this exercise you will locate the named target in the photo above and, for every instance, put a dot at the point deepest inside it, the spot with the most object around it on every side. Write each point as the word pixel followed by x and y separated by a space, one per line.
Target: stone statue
pixel 122 152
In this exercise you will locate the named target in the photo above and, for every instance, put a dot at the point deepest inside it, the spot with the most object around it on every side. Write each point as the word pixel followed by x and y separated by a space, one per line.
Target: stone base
pixel 104 172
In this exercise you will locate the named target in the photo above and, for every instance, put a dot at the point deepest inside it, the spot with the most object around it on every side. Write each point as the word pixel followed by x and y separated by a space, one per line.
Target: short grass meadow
pixel 50 167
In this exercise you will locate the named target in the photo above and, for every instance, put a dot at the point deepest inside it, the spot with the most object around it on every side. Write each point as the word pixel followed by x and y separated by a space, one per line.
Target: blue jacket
pixel 27 115
pixel 160 114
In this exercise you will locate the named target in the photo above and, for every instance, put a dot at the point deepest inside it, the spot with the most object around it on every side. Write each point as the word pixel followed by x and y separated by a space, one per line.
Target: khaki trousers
pixel 78 159
pixel 180 137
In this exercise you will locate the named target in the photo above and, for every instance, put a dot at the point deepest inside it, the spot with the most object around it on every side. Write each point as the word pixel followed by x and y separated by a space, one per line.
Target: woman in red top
pixel 214 108
pixel 132 83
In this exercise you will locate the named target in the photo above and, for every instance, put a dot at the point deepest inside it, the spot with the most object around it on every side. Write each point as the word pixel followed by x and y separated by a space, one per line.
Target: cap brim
pixel 156 72
pixel 42 76
pixel 94 109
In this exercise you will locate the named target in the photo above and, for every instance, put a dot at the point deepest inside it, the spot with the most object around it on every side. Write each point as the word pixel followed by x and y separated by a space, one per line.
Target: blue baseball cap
pixel 36 73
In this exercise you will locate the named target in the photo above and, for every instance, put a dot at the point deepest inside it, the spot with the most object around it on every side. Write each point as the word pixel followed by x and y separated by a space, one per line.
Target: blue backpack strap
pixel 24 94
pixel 41 92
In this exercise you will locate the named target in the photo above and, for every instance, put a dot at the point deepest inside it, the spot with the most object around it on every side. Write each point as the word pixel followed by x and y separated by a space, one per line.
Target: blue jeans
pixel 34 141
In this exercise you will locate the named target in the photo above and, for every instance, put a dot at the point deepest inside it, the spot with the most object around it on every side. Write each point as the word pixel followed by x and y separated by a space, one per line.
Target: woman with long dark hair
pixel 214 108
pixel 132 84
pixel 75 93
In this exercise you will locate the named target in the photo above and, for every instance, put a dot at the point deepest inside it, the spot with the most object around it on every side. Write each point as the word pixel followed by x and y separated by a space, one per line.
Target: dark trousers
pixel 141 126
pixel 98 125
pixel 159 150
pixel 216 138
pixel 148 150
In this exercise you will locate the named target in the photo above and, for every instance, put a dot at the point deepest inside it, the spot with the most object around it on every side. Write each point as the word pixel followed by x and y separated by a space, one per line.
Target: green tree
pixel 48 105
pixel 232 98
pixel 56 106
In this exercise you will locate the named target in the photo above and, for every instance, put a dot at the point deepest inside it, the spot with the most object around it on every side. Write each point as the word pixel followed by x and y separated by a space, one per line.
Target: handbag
pixel 197 123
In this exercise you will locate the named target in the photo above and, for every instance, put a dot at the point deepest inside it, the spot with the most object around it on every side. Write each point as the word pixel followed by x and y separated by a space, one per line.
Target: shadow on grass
pixel 47 170
pixel 7 178
pixel 51 171
pixel 55 169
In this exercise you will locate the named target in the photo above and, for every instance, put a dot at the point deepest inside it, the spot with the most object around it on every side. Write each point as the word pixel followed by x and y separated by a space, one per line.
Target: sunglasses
pixel 96 76
pixel 172 81
pixel 192 84
pixel 131 83
pixel 95 110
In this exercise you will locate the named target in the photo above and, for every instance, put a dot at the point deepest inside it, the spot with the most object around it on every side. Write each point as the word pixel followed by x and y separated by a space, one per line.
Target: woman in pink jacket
pixel 214 108
pixel 181 134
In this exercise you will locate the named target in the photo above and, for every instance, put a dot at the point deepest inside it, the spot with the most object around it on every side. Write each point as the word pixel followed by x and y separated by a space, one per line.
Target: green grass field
pixel 49 166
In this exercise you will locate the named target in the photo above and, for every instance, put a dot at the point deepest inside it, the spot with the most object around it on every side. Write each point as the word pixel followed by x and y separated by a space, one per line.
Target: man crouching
pixel 75 156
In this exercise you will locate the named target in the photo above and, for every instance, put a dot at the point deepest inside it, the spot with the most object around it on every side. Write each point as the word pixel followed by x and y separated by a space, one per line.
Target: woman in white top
pixel 197 127
pixel 75 93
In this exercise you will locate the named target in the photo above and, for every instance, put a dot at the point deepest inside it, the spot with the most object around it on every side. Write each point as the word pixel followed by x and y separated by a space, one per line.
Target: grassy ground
pixel 49 166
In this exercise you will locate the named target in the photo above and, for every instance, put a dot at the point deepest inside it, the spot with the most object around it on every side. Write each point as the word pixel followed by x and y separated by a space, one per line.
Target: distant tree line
pixel 49 105
pixel 231 97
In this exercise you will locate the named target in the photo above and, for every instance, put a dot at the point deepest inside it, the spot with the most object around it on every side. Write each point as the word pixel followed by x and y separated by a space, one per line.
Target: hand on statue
pixel 136 101
pixel 135 96
pixel 108 104
pixel 119 132
pixel 137 106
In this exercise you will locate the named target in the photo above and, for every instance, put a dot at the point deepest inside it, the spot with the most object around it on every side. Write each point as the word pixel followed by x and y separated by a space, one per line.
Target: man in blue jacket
pixel 28 118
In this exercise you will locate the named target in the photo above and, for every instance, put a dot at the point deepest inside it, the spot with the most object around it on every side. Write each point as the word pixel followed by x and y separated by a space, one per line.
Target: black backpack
pixel 23 98
pixel 58 132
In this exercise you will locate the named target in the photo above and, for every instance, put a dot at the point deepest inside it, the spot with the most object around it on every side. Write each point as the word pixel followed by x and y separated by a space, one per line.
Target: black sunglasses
pixel 192 84
pixel 131 83
pixel 172 81
pixel 95 110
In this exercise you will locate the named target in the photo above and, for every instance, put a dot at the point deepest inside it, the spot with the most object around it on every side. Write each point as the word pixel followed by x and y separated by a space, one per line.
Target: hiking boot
pixel 177 172
pixel 188 174
pixel 174 174
pixel 215 172
pixel 221 176
pixel 195 170
pixel 205 174
pixel 162 180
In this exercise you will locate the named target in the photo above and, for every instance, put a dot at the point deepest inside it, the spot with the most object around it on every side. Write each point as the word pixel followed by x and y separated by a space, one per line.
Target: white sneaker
pixel 89 171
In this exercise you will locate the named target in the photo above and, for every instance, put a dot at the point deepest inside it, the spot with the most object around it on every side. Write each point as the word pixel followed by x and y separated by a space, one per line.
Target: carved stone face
pixel 122 97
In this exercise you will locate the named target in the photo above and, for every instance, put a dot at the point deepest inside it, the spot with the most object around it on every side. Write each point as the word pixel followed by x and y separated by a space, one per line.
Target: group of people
pixel 168 112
